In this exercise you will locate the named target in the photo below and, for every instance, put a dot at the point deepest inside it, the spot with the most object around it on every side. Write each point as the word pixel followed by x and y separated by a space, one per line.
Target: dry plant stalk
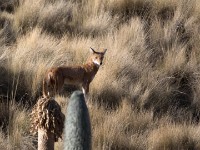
pixel 48 120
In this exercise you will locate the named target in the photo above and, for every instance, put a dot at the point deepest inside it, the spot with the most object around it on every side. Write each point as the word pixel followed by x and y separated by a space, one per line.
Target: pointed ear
pixel 104 51
pixel 92 50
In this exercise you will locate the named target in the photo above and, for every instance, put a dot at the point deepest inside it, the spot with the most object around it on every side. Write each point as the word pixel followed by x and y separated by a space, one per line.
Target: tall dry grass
pixel 146 94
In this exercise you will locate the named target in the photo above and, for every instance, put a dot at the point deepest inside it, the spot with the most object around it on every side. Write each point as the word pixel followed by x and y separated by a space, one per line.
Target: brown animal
pixel 81 75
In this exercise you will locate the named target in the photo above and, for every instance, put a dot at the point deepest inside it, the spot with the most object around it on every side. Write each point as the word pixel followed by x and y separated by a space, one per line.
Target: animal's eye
pixel 96 57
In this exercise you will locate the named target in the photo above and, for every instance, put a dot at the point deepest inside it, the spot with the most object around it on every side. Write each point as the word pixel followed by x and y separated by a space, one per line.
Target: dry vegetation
pixel 145 96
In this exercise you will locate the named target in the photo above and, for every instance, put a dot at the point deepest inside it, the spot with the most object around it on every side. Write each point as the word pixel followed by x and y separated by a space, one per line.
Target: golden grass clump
pixel 15 126
pixel 174 137
pixel 52 17
pixel 123 128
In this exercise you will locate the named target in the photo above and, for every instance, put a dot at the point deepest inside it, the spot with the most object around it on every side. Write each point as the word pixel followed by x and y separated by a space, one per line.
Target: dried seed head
pixel 47 115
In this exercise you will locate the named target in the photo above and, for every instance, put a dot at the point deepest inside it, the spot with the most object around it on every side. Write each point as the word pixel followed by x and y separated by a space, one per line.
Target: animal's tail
pixel 77 125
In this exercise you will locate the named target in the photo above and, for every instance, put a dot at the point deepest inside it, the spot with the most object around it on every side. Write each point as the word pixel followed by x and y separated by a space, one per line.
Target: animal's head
pixel 97 57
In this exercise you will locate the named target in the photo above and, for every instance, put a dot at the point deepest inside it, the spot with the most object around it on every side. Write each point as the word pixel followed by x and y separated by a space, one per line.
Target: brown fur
pixel 82 75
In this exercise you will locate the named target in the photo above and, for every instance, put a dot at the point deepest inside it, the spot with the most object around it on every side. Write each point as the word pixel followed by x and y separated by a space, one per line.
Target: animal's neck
pixel 91 67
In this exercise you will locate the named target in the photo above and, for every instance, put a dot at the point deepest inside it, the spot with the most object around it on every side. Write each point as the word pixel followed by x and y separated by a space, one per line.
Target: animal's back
pixel 72 74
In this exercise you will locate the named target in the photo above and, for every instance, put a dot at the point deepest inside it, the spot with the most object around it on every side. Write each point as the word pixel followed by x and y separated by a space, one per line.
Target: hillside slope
pixel 146 94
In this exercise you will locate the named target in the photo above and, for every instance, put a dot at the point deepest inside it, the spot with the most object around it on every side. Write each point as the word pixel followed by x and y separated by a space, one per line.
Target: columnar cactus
pixel 48 120
pixel 77 125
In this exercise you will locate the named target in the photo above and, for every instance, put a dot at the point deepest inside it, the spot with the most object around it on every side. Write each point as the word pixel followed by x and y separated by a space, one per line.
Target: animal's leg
pixel 51 85
pixel 44 90
pixel 85 89
pixel 59 84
